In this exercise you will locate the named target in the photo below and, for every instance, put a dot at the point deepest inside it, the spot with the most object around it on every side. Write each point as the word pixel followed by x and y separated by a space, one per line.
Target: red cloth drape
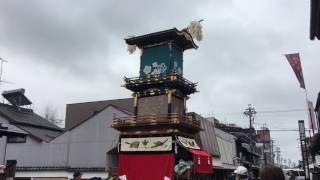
pixel 202 161
pixel 146 166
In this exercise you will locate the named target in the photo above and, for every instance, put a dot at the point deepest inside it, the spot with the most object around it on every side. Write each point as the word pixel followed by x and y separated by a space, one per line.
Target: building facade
pixel 83 147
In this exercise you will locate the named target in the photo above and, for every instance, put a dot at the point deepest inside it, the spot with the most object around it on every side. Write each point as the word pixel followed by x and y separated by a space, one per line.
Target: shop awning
pixel 146 166
pixel 216 163
pixel 229 166
pixel 202 161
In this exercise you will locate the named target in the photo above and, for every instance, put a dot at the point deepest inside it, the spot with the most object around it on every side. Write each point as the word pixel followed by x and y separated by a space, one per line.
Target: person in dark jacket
pixel 77 175
pixel 271 173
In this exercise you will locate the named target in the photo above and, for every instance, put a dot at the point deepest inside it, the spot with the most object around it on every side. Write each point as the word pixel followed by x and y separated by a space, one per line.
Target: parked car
pixel 299 173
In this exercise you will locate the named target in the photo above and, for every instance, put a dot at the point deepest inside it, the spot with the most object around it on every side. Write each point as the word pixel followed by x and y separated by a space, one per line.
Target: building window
pixel 16 139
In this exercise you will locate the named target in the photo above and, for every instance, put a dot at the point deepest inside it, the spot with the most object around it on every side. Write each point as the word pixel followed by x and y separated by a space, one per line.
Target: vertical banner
pixel 302 135
pixel 302 131
pixel 312 117
pixel 294 61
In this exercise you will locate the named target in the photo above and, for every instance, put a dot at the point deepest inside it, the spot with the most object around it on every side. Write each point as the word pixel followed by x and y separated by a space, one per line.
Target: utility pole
pixel 272 152
pixel 278 152
pixel 250 112
pixel 304 150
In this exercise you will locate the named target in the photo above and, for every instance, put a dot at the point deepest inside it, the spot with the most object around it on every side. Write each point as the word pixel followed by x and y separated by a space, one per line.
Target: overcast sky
pixel 65 52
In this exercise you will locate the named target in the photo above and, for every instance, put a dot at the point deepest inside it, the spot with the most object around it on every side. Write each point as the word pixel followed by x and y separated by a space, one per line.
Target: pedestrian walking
pixel 241 173
pixel 271 173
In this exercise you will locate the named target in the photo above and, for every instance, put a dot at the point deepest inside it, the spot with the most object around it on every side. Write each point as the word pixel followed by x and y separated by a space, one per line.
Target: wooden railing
pixel 155 119
pixel 172 77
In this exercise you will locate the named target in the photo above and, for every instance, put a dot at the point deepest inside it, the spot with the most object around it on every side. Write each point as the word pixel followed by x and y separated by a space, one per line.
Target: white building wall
pixel 3 140
pixel 35 153
pixel 91 140
pixel 2 143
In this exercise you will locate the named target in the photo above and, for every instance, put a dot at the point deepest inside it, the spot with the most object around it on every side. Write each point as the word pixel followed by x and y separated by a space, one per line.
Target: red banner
pixel 294 61
pixel 312 117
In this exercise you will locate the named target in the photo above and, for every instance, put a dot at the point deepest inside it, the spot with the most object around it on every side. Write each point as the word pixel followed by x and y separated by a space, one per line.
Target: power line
pixel 265 111
pixel 283 111
pixel 307 130
pixel 282 130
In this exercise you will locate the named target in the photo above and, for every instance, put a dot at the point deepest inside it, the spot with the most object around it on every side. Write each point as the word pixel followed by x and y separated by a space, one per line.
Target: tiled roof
pixel 40 133
pixel 30 122
pixel 25 116
pixel 242 137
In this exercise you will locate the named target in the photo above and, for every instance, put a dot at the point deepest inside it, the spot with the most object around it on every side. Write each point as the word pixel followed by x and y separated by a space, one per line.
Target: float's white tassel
pixel 195 29
pixel 131 48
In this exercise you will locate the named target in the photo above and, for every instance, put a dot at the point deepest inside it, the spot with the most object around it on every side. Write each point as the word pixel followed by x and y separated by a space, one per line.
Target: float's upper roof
pixel 180 38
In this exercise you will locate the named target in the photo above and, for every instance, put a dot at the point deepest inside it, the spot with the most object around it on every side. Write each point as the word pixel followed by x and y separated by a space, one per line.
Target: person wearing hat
pixel 241 173
pixel 77 175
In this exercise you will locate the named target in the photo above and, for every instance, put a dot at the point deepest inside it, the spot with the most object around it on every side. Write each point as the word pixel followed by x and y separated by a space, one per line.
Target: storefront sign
pixel 189 143
pixel 146 144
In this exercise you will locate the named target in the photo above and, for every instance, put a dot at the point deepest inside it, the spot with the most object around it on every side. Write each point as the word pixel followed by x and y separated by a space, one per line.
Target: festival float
pixel 159 141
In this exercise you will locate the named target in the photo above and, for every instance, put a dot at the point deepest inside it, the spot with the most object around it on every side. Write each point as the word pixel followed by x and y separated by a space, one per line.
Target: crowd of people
pixel 241 173
pixel 267 173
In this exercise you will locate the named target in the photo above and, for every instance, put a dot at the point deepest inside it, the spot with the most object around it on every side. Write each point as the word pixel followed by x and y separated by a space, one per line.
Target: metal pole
pixel 306 148
pixel 250 112
pixel 302 135
pixel 5 149
pixel 303 160
pixel 272 156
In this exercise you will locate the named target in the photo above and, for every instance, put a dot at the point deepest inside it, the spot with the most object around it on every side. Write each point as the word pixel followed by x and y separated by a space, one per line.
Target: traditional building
pixel 226 163
pixel 26 132
pixel 159 140
pixel 265 146
pixel 247 151
pixel 86 145
pixel 43 150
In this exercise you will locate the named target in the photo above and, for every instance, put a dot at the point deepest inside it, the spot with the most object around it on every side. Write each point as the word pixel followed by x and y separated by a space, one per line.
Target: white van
pixel 300 175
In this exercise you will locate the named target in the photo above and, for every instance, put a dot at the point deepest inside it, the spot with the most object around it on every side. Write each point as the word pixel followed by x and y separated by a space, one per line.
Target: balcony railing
pixel 156 119
pixel 172 80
